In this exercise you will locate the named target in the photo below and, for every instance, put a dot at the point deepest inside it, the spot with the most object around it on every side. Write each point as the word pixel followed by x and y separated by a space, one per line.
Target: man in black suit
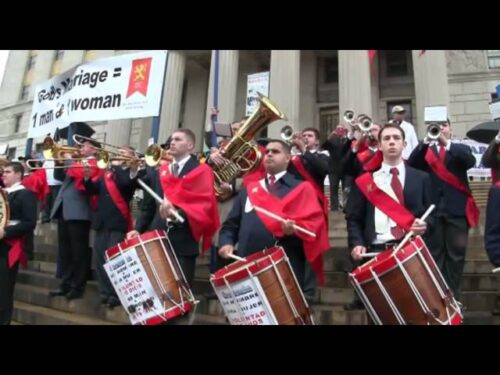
pixel 112 218
pixel 22 204
pixel 455 207
pixel 243 226
pixel 154 216
pixel 368 226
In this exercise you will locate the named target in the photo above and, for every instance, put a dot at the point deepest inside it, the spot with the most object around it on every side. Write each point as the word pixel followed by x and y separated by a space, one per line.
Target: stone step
pixel 31 314
pixel 478 266
pixel 88 306
pixel 480 282
pixel 480 318
pixel 336 315
pixel 480 301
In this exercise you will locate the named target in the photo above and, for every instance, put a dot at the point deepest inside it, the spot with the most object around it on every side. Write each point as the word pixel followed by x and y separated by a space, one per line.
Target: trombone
pixel 83 139
pixel 104 159
pixel 56 162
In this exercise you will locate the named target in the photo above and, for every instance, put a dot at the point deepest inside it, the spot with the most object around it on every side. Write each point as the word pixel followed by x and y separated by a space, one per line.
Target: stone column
pixel 354 83
pixel 431 83
pixel 228 83
pixel 284 88
pixel 172 94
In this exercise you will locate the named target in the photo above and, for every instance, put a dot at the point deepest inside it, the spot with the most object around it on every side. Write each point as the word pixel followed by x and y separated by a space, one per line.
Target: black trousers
pixel 448 245
pixel 7 283
pixel 75 260
pixel 334 189
pixel 49 202
pixel 104 239
pixel 188 265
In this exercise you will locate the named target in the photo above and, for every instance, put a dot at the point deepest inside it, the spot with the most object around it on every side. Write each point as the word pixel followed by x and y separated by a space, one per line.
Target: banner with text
pixel 258 82
pixel 113 88
pixel 478 149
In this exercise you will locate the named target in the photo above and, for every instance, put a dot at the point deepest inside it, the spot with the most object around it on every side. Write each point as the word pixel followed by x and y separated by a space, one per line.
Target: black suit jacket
pixel 316 164
pixel 360 213
pixel 337 148
pixel 180 233
pixel 22 205
pixel 458 160
pixel 248 231
pixel 107 215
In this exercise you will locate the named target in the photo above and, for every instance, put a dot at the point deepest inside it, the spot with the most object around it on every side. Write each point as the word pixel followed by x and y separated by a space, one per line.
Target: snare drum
pixel 148 279
pixel 262 290
pixel 406 287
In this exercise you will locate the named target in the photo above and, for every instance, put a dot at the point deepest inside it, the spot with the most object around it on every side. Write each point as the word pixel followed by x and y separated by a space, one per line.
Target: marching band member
pixel 22 205
pixel 112 218
pixel 491 159
pixel 383 205
pixel 188 188
pixel 456 211
pixel 73 207
pixel 286 196
pixel 398 116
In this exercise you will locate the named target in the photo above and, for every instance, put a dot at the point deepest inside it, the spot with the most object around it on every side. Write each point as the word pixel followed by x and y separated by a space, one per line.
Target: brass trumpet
pixel 287 133
pixel 52 150
pixel 154 154
pixel 365 124
pixel 349 116
pixel 433 131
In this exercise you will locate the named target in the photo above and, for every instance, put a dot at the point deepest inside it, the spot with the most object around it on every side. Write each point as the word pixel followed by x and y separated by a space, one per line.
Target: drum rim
pixel 255 265
pixel 114 251
pixel 387 264
pixel 169 314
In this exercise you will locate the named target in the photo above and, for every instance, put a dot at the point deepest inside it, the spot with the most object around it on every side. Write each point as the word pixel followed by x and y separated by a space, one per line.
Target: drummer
pixel 384 205
pixel 253 232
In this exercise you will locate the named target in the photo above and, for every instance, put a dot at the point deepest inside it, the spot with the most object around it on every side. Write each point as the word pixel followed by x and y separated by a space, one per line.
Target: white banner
pixel 478 149
pixel 258 82
pixel 113 88
pixel 133 287
pixel 245 303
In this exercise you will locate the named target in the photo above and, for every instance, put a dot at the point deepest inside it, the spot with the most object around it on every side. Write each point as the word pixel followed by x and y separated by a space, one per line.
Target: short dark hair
pixel 284 145
pixel 188 133
pixel 314 130
pixel 16 167
pixel 391 126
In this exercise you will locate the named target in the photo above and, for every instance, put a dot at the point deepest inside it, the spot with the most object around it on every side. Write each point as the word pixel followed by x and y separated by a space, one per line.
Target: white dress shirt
pixel 410 137
pixel 382 179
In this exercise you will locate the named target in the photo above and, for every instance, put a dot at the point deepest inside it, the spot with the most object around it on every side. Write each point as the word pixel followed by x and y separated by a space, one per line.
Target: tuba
pixel 241 152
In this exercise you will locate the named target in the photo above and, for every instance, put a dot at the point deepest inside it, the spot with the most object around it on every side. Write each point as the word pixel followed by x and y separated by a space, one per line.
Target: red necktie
pixel 442 153
pixel 397 231
pixel 272 183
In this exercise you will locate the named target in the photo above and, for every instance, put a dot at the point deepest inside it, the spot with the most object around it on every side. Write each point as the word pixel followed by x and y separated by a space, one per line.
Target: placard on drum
pixel 133 287
pixel 245 303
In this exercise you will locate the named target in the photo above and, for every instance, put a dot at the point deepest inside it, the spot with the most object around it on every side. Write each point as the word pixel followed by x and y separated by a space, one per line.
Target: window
pixel 397 63
pixel 494 58
pixel 405 104
pixel 25 92
pixel 17 126
pixel 331 69
pixel 12 153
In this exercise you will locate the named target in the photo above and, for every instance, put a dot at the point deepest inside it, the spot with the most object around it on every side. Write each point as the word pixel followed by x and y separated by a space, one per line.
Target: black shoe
pixel 113 302
pixel 58 292
pixel 74 294
pixel 356 305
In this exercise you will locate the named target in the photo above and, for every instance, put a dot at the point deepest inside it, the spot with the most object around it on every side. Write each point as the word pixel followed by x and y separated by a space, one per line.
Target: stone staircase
pixel 33 305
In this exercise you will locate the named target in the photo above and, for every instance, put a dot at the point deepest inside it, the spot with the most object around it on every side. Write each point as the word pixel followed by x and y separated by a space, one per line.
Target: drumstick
pixel 410 233
pixel 276 217
pixel 158 199
pixel 495 270
pixel 236 257
pixel 369 255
